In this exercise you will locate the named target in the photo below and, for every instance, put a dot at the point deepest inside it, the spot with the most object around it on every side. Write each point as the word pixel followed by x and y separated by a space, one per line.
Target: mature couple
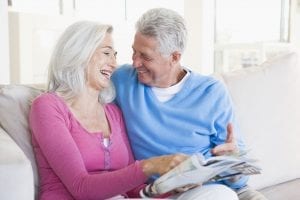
pixel 84 147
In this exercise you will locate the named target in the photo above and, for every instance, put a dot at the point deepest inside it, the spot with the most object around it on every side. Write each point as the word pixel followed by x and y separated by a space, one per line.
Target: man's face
pixel 153 69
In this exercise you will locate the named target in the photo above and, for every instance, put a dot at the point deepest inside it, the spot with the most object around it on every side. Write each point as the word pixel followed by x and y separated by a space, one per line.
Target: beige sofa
pixel 267 103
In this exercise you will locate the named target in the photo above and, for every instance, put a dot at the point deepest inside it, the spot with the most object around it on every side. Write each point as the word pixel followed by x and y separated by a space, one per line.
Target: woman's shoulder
pixel 48 100
pixel 46 97
pixel 113 110
pixel 112 107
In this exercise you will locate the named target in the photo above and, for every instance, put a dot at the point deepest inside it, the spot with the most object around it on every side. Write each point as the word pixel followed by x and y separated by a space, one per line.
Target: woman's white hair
pixel 70 58
pixel 167 26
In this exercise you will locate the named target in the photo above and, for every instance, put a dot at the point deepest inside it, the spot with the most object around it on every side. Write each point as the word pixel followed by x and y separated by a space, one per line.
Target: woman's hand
pixel 162 164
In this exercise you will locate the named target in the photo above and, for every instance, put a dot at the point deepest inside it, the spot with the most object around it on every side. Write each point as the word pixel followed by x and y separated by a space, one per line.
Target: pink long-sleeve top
pixel 74 163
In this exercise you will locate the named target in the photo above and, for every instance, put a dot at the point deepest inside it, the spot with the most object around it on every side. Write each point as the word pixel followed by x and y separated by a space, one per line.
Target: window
pixel 250 31
pixel 35 25
pixel 35 6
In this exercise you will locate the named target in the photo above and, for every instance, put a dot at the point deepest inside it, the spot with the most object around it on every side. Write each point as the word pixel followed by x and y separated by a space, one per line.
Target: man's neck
pixel 173 79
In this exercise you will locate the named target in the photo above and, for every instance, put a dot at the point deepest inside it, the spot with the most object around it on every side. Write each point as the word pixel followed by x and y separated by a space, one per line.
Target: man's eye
pixel 146 58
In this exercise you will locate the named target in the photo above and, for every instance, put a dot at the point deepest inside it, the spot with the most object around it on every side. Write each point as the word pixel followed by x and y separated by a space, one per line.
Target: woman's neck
pixel 90 113
pixel 86 102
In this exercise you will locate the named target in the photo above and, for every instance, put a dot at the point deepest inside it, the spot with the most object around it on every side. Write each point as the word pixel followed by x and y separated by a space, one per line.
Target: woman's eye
pixel 111 54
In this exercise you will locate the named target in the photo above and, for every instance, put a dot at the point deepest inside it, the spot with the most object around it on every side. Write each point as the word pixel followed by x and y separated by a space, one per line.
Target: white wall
pixel 32 35
pixel 4 47
pixel 199 54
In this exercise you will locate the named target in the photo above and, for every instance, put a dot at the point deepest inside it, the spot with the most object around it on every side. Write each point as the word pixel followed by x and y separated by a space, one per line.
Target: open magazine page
pixel 196 170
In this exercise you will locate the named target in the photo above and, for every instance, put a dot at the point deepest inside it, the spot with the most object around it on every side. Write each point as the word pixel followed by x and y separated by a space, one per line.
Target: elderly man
pixel 169 108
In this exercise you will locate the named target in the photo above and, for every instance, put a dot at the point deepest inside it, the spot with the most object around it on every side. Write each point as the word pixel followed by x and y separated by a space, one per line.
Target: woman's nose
pixel 114 63
pixel 113 60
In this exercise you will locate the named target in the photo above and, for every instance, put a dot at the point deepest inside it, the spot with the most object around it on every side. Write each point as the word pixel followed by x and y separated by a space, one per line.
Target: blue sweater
pixel 194 120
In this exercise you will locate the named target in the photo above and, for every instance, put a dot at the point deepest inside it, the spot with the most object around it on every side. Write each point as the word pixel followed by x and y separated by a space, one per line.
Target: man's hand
pixel 229 147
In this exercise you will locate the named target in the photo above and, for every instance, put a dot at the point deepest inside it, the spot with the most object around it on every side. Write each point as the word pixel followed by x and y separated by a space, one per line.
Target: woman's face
pixel 102 64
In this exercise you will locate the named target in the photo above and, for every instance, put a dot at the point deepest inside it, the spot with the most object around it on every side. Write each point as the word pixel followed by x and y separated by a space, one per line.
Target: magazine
pixel 197 170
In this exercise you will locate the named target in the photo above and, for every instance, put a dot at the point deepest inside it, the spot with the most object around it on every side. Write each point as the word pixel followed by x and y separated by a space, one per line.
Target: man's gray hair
pixel 70 58
pixel 167 26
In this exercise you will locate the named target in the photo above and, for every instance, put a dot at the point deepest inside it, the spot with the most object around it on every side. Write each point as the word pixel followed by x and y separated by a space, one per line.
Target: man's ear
pixel 176 56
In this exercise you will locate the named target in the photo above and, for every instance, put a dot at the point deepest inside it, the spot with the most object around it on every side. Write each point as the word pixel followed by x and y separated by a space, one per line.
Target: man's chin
pixel 143 80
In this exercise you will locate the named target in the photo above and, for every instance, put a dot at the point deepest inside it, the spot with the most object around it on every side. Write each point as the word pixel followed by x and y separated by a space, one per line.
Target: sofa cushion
pixel 15 171
pixel 267 103
pixel 287 190
pixel 14 105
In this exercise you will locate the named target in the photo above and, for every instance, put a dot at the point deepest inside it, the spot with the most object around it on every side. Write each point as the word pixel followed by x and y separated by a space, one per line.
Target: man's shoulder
pixel 124 69
pixel 205 81
pixel 124 75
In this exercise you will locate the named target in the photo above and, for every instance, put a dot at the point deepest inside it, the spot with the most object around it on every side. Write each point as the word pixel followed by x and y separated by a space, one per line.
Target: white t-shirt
pixel 165 94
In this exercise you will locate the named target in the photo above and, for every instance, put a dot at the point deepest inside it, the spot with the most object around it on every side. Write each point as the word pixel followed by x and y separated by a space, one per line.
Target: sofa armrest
pixel 16 173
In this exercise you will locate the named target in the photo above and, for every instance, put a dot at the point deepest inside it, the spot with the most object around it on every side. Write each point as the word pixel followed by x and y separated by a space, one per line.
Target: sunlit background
pixel 224 35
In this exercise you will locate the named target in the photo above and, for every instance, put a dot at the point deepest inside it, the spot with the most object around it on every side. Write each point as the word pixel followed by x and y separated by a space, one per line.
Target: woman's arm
pixel 50 130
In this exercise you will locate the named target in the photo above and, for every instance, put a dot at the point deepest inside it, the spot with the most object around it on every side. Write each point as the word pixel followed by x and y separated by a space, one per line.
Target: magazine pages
pixel 197 170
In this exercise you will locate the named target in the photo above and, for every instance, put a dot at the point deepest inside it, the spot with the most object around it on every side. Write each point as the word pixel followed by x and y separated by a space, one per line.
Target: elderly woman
pixel 79 138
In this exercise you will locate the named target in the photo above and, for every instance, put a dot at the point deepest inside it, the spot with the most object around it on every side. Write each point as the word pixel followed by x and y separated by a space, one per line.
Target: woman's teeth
pixel 106 73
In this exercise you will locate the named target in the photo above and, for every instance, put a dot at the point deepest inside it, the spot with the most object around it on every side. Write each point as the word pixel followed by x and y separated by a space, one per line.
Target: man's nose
pixel 136 61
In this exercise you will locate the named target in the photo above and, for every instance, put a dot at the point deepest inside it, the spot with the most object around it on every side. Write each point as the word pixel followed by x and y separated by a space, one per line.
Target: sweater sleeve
pixel 224 112
pixel 50 130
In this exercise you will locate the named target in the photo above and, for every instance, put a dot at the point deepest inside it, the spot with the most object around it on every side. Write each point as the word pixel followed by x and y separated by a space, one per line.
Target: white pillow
pixel 16 173
pixel 15 103
pixel 267 103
